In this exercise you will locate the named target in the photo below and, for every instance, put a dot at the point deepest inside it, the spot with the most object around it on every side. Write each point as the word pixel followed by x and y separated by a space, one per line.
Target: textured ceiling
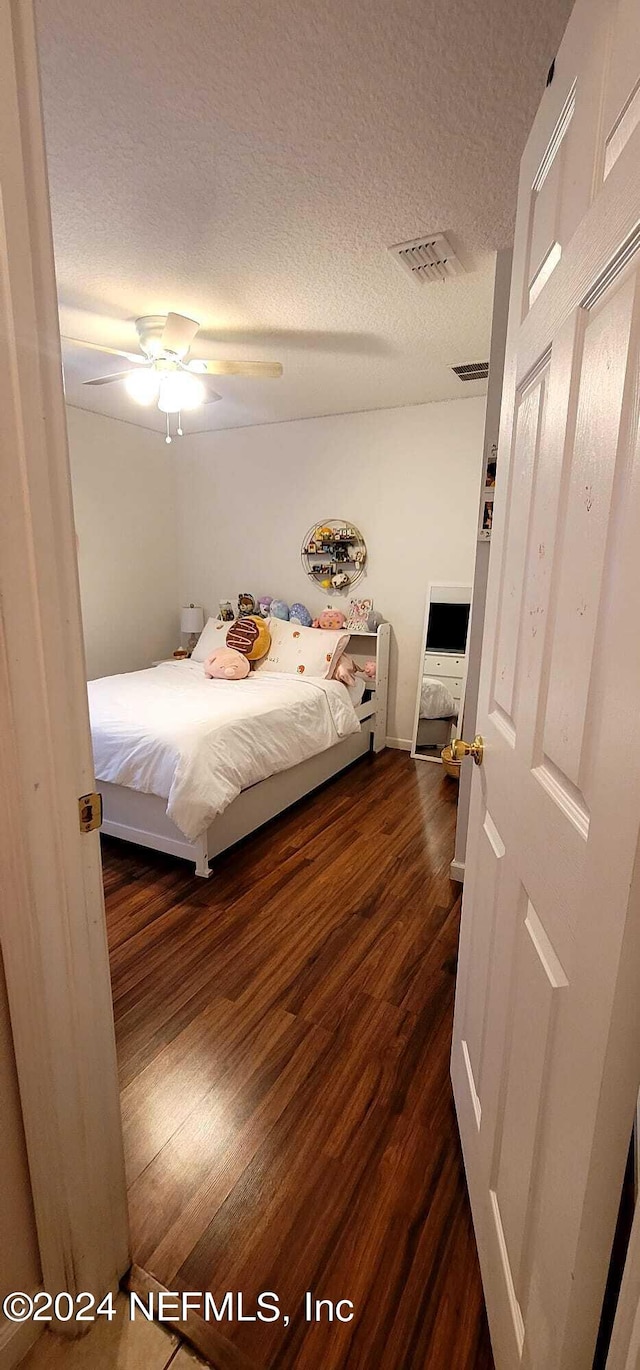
pixel 249 164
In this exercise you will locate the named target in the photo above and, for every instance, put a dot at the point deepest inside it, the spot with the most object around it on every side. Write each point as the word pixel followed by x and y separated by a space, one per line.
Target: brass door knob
pixel 460 749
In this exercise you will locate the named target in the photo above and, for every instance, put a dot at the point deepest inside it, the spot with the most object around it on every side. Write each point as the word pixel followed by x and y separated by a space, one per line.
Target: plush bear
pixel 246 605
pixel 279 609
pixel 225 664
pixel 330 618
pixel 299 613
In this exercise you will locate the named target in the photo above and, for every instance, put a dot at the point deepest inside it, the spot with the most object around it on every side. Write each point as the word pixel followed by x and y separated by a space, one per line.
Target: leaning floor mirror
pixel 442 669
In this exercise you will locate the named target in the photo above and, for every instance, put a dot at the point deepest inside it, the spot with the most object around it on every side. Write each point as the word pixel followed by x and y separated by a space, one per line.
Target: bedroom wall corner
pixel 124 496
pixel 408 477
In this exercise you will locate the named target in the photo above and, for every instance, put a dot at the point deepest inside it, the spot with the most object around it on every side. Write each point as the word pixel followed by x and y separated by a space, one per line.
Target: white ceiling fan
pixel 161 373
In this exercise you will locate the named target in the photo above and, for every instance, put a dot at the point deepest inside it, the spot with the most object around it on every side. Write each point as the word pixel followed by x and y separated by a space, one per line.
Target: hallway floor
pixel 283 1039
pixel 120 1344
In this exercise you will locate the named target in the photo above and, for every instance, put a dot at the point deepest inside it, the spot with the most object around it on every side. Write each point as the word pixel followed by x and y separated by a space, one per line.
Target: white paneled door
pixel 546 1052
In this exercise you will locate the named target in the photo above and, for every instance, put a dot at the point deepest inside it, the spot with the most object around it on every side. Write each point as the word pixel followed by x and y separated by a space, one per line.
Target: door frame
pixel 52 924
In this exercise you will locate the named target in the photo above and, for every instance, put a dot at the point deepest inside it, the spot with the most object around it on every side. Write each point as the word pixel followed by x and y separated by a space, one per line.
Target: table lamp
pixel 191 624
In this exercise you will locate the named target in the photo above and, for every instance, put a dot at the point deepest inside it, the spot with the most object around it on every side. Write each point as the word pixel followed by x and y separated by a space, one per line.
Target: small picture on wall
pixel 491 466
pixel 486 521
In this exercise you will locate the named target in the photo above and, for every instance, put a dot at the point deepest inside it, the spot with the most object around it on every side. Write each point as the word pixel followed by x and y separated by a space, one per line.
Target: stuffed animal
pixel 250 636
pixel 225 664
pixel 346 671
pixel 279 609
pixel 264 606
pixel 374 619
pixel 330 618
pixel 246 605
pixel 298 613
pixel 340 580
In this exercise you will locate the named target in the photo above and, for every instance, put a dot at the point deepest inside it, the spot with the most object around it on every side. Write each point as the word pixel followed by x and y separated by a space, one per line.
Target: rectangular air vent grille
pixel 473 371
pixel 428 259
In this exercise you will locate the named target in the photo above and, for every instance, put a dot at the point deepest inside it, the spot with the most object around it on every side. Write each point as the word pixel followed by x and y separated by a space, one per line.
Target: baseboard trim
pixel 16 1339
pixel 456 871
pixel 401 744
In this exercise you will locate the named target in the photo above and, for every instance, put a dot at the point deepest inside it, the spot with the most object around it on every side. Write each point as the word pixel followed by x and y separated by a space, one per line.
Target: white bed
pixel 438 712
pixel 189 766
pixel 436 699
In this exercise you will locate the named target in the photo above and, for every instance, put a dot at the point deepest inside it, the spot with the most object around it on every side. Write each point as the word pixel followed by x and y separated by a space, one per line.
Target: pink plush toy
pixel 226 664
pixel 330 618
pixel 347 670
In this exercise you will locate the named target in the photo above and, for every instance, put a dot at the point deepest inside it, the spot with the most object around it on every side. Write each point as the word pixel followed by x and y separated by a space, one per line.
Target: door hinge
pixel 90 812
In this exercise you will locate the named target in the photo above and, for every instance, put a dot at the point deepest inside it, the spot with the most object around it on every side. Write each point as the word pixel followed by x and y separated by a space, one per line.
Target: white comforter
pixel 197 742
pixel 436 700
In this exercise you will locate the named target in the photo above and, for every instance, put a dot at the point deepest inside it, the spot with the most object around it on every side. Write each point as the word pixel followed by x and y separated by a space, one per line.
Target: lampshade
pixel 143 386
pixel 180 390
pixel 191 619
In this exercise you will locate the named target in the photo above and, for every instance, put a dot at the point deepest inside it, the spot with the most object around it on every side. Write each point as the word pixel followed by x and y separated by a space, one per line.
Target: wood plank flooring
pixel 283 1039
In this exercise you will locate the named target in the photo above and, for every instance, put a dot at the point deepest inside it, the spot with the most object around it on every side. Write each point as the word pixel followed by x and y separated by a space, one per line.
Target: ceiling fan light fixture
pixel 180 390
pixel 143 386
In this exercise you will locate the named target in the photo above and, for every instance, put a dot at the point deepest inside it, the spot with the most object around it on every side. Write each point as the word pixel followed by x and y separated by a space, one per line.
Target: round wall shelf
pixel 334 555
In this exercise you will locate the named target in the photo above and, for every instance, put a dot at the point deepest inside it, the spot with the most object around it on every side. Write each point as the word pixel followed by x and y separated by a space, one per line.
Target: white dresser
pixel 447 668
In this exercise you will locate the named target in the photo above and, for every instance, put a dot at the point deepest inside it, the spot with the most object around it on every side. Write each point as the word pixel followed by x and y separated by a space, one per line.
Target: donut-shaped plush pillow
pixel 250 636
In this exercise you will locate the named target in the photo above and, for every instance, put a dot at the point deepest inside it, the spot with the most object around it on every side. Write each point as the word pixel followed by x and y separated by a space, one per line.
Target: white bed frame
pixel 142 818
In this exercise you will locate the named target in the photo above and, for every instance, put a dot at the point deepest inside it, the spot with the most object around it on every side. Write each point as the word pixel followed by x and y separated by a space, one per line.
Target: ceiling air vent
pixel 430 258
pixel 473 371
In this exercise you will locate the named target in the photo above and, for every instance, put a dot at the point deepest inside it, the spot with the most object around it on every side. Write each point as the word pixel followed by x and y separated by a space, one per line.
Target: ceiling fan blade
pixel 178 334
pixel 112 351
pixel 106 380
pixel 225 368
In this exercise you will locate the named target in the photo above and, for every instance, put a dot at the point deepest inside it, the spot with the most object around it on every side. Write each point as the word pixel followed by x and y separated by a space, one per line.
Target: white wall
pixel 408 477
pixel 124 500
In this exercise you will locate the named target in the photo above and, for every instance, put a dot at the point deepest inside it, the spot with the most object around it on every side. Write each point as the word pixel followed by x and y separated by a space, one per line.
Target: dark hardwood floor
pixel 283 1039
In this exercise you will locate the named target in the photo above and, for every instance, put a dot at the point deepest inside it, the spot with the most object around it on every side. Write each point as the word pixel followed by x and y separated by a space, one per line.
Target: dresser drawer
pixel 441 665
pixel 452 683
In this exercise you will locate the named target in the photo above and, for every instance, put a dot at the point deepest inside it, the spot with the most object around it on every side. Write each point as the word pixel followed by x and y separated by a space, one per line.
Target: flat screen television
pixel 447 628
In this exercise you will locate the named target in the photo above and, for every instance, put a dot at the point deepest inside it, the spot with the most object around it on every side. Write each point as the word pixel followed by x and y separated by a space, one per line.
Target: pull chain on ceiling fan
pixel 162 375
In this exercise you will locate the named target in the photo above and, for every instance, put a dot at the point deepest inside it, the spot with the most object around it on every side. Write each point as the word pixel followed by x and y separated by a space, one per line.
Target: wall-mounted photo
pixel 492 465
pixel 486 520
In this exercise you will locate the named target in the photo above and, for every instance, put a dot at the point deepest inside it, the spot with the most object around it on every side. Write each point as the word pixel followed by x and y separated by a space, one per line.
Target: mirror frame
pixel 439 585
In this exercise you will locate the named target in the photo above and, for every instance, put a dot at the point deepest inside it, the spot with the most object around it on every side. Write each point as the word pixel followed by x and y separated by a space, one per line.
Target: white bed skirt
pixel 142 818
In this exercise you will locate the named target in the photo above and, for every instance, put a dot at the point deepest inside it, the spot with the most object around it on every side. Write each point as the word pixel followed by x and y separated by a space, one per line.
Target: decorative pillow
pixel 225 664
pixel 250 636
pixel 296 650
pixel 212 636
